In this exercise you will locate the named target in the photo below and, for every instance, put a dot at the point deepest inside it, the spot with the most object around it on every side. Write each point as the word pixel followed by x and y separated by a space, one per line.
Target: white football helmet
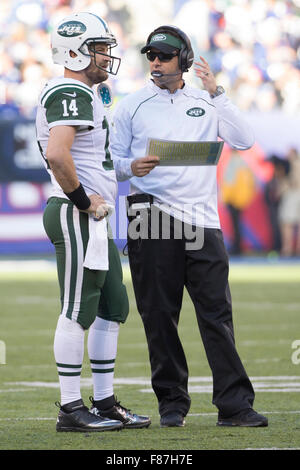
pixel 77 33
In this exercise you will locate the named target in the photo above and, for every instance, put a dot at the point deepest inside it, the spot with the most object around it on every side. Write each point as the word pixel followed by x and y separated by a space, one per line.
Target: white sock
pixel 68 353
pixel 102 350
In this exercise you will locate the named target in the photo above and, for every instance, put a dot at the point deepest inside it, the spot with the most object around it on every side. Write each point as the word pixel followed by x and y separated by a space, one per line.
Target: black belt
pixel 139 199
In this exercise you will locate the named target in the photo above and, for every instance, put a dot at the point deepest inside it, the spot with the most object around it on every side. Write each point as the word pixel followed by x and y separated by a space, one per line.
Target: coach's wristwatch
pixel 219 91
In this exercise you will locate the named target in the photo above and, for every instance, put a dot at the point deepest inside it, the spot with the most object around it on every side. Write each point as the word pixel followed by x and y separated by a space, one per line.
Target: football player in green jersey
pixel 73 136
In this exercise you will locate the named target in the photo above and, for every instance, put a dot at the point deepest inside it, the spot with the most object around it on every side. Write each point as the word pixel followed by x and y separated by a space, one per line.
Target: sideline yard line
pixel 146 380
pixel 45 270
pixel 27 419
pixel 194 389
pixel 14 390
pixel 263 412
pixel 189 415
pixel 260 381
pixel 272 448
pixel 263 384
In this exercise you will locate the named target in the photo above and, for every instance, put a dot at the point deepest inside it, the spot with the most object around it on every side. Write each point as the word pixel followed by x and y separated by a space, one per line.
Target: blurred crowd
pixel 252 46
pixel 239 188
pixel 282 194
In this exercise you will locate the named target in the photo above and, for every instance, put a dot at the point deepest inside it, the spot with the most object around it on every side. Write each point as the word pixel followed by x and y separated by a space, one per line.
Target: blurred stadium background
pixel 253 47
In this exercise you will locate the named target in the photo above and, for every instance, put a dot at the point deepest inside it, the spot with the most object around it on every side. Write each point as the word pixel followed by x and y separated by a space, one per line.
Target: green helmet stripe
pixel 100 19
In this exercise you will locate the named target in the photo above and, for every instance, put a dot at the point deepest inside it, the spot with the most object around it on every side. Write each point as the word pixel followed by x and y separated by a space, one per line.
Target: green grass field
pixel 266 301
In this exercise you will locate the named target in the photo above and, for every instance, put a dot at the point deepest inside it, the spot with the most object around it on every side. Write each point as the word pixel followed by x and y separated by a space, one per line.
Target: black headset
pixel 186 54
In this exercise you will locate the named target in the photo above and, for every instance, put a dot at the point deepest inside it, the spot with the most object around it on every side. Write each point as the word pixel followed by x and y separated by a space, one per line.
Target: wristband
pixel 79 198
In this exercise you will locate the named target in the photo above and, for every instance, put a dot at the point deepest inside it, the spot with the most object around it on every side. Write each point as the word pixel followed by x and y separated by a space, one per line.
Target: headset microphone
pixel 159 74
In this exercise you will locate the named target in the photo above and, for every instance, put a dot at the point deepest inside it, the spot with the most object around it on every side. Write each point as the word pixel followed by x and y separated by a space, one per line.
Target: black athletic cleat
pixel 77 418
pixel 172 419
pixel 245 418
pixel 119 412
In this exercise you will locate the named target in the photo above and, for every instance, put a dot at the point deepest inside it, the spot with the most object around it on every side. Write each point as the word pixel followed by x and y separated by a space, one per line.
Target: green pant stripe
pixel 67 246
pixel 69 366
pixel 102 371
pixel 80 260
pixel 80 288
pixel 70 222
pixel 74 262
pixel 84 229
pixel 69 374
pixel 108 361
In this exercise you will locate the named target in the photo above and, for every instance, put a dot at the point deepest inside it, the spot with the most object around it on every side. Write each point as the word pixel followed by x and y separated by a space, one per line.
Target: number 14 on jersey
pixel 70 108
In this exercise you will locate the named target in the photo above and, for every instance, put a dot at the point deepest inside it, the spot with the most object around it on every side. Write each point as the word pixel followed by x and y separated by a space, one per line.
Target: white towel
pixel 96 256
pixel 104 210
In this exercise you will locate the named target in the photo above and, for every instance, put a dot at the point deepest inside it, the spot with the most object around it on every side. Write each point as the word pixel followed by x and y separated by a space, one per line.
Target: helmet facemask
pixel 88 49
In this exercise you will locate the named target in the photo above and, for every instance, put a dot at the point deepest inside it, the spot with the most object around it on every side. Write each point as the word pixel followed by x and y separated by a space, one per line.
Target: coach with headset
pixel 167 207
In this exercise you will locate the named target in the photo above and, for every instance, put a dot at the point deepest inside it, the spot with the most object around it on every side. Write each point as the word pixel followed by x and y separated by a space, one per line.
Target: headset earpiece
pixel 186 54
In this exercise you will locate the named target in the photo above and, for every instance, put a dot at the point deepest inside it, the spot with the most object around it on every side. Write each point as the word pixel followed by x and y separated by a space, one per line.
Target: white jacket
pixel 153 112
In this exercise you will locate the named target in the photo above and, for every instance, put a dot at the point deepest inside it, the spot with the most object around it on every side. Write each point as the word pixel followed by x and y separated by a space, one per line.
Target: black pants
pixel 160 269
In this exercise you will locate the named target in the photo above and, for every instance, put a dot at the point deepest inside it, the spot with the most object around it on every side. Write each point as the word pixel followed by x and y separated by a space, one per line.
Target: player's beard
pixel 95 74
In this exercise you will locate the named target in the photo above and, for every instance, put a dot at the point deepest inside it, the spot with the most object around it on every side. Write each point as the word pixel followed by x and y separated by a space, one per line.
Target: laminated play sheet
pixel 175 153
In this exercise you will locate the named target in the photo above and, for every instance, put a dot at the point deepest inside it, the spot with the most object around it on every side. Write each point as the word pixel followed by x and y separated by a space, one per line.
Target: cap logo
pixel 165 38
pixel 71 29
pixel 158 37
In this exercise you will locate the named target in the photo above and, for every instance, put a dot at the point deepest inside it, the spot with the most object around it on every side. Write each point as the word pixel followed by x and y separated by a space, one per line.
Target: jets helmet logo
pixel 71 29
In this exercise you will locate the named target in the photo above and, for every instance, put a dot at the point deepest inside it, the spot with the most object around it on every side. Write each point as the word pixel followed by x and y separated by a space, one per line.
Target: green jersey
pixel 69 102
